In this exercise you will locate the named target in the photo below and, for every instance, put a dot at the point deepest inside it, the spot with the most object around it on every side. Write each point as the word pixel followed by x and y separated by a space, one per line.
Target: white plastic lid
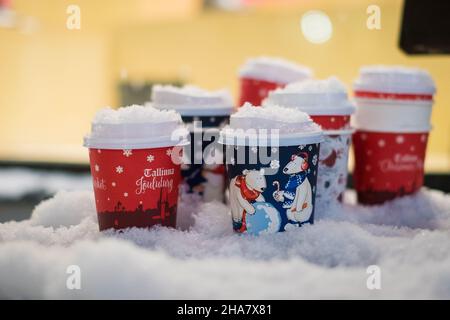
pixel 394 79
pixel 315 97
pixel 136 127
pixel 274 70
pixel 292 126
pixel 192 101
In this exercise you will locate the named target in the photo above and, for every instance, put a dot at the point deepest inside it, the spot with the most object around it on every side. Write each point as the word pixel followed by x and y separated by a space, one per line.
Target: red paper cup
pixel 255 91
pixel 260 75
pixel 332 122
pixel 135 188
pixel 388 164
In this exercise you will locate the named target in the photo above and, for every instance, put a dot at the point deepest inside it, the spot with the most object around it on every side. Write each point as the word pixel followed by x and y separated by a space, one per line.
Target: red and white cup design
pixel 136 187
pixel 332 122
pixel 255 91
pixel 261 75
pixel 394 106
pixel 388 164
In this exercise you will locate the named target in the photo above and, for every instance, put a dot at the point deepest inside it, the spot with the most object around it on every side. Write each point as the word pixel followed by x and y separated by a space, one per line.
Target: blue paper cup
pixel 272 188
pixel 204 175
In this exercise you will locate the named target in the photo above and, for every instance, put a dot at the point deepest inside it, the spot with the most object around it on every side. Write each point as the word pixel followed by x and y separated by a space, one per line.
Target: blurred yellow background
pixel 53 79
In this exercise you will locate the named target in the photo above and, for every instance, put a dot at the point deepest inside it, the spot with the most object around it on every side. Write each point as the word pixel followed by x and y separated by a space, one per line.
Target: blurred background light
pixel 316 27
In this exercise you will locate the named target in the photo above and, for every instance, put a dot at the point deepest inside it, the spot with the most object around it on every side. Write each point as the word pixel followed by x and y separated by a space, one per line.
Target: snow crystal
pixel 409 239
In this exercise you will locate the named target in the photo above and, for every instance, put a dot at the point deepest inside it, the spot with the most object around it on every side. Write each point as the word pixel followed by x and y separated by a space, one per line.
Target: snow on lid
pixel 394 79
pixel 313 96
pixel 292 125
pixel 135 127
pixel 135 114
pixel 274 69
pixel 192 100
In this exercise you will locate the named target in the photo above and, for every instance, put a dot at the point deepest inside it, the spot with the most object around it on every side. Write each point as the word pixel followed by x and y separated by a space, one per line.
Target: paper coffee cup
pixel 327 103
pixel 272 182
pixel 394 107
pixel 388 164
pixel 259 76
pixel 204 113
pixel 134 156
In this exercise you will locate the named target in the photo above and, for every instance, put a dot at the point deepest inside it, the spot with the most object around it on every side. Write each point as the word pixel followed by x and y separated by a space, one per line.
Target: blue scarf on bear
pixel 291 186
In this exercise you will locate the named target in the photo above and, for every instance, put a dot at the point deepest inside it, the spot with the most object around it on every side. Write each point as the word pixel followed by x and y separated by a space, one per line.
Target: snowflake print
pixel 423 138
pixel 119 169
pixel 274 150
pixel 412 149
pixel 274 164
pixel 301 147
pixel 400 139
pixel 97 168
pixel 127 152
pixel 254 149
pixel 381 143
pixel 232 161
pixel 125 194
pixel 169 152
pixel 314 159
pixel 113 184
pixel 363 136
pixel 314 189
pixel 150 158
pixel 99 151
pixel 310 148
pixel 262 92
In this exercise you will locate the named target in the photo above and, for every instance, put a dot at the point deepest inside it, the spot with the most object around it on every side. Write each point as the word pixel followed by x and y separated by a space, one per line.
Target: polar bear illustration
pixel 245 189
pixel 297 194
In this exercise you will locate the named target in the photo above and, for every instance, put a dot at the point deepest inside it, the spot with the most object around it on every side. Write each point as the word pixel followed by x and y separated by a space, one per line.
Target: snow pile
pixel 135 114
pixel 329 85
pixel 315 97
pixel 274 69
pixel 16 183
pixel 409 239
pixel 135 127
pixel 177 97
pixel 394 79
pixel 272 117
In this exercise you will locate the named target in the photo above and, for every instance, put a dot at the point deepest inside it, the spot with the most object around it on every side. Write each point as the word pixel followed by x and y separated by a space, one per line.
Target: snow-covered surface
pixel 16 183
pixel 274 69
pixel 313 96
pixel 394 79
pixel 409 239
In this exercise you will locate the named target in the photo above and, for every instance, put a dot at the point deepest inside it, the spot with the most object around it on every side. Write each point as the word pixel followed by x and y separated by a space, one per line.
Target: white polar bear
pixel 245 189
pixel 298 200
